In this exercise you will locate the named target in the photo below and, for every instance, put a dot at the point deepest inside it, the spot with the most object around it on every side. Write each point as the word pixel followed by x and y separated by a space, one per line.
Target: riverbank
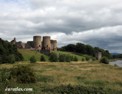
pixel 116 63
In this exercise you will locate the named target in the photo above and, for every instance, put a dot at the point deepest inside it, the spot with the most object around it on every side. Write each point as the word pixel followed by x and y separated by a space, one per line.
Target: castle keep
pixel 39 43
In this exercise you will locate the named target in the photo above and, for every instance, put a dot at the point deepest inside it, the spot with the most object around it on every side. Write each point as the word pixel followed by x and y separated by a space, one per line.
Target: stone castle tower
pixel 39 43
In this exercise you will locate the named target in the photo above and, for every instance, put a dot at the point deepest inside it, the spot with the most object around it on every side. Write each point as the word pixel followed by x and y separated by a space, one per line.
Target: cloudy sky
pixel 94 22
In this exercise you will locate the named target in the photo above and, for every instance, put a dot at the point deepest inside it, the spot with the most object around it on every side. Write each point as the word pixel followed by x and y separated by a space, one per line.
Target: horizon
pixel 97 23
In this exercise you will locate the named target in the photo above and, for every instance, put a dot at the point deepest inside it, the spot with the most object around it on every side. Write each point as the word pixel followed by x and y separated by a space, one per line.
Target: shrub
pixel 11 58
pixel 87 58
pixel 93 59
pixel 68 58
pixel 33 59
pixel 42 58
pixel 62 58
pixel 83 59
pixel 75 58
pixel 8 59
pixel 104 60
pixel 22 74
pixel 53 57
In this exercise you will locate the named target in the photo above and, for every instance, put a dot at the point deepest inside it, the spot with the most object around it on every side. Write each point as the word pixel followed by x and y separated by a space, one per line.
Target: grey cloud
pixel 94 22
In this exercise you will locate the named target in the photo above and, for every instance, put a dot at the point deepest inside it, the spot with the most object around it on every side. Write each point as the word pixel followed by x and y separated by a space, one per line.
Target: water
pixel 118 63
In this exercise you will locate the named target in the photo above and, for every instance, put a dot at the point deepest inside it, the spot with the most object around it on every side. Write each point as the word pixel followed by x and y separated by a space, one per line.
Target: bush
pixel 42 58
pixel 8 59
pixel 104 60
pixel 53 57
pixel 87 58
pixel 68 58
pixel 62 58
pixel 83 59
pixel 22 74
pixel 75 58
pixel 33 59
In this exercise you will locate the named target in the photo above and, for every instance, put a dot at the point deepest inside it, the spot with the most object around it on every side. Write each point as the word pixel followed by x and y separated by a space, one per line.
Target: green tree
pixel 54 57
pixel 42 58
pixel 104 60
pixel 33 59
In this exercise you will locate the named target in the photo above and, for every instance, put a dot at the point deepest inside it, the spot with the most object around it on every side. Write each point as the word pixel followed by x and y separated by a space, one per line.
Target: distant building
pixel 39 43
pixel 99 55
pixel 13 41
pixel 29 44
pixel 20 45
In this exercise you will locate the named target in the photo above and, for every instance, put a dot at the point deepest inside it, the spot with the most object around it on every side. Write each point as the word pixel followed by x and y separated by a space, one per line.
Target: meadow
pixel 76 77
pixel 54 78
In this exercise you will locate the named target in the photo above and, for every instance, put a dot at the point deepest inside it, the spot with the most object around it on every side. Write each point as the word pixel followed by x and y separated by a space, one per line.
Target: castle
pixel 39 43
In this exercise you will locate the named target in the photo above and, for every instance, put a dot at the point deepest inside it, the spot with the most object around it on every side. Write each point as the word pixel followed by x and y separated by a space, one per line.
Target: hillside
pixel 28 53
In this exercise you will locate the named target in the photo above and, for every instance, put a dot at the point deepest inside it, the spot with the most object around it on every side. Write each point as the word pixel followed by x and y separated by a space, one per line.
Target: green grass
pixel 79 56
pixel 53 78
pixel 29 53
pixel 66 78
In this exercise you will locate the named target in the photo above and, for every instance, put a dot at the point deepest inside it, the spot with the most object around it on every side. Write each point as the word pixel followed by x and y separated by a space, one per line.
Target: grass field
pixel 29 53
pixel 53 75
pixel 82 77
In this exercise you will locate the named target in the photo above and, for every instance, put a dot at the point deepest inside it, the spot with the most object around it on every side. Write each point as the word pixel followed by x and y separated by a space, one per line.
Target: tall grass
pixel 51 76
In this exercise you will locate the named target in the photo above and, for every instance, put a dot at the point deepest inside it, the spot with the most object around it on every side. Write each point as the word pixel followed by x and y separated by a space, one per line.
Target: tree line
pixel 85 49
pixel 9 52
pixel 117 56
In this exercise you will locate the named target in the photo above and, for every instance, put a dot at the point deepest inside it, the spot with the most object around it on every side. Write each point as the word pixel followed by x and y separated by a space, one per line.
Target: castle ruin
pixel 39 43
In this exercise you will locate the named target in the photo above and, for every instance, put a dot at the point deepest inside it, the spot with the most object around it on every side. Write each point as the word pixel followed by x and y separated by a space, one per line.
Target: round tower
pixel 54 45
pixel 37 41
pixel 46 43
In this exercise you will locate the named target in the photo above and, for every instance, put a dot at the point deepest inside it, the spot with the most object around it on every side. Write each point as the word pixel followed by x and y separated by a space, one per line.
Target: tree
pixel 33 59
pixel 9 52
pixel 104 60
pixel 42 58
pixel 53 57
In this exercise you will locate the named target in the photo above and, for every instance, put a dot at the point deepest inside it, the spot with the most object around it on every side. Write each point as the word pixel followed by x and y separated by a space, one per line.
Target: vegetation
pixel 85 49
pixel 33 59
pixel 9 52
pixel 62 57
pixel 22 74
pixel 104 60
pixel 66 78
pixel 117 56
pixel 42 58
pixel 53 57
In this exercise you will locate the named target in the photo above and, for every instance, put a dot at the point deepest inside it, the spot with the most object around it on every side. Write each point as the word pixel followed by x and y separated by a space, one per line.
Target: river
pixel 118 63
